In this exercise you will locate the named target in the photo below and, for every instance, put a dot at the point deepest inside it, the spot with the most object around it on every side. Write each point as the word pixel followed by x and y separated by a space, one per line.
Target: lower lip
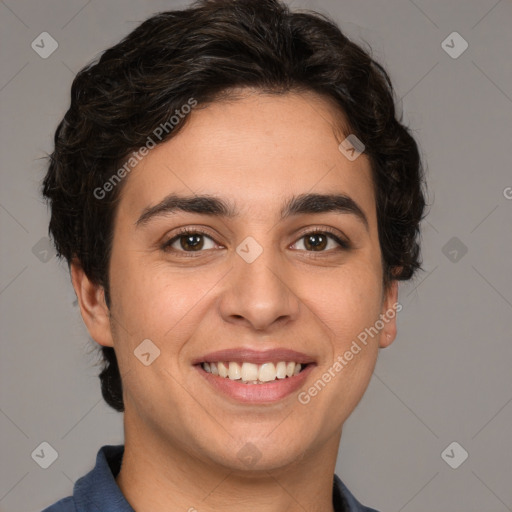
pixel 257 393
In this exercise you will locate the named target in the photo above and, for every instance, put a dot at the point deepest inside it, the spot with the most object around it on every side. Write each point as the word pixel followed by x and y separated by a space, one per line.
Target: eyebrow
pixel 215 206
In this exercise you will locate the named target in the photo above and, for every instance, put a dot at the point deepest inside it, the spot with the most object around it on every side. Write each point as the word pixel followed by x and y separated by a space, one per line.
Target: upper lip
pixel 241 355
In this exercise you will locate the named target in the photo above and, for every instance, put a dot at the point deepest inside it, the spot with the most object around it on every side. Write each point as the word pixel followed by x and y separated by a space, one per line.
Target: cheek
pixel 155 301
pixel 346 306
pixel 347 302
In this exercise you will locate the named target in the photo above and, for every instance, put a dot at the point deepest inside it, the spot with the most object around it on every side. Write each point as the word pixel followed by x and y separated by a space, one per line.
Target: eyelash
pixel 344 244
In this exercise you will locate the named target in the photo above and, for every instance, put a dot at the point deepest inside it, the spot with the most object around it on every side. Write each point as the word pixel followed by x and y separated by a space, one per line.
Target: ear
pixel 94 310
pixel 390 309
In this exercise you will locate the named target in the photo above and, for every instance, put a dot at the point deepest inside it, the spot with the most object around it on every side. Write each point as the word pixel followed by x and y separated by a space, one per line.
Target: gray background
pixel 446 378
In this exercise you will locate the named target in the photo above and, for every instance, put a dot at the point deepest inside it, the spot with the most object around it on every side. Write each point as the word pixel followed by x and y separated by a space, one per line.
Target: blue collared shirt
pixel 98 490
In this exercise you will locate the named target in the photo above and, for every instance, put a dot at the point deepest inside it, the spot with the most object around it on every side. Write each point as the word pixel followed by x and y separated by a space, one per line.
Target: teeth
pixel 267 372
pixel 223 369
pixel 251 373
pixel 281 370
pixel 234 371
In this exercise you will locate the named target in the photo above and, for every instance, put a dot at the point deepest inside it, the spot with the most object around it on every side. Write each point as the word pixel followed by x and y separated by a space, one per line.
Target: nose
pixel 260 295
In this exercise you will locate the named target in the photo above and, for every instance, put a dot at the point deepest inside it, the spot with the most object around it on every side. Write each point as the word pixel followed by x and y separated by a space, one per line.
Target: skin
pixel 181 436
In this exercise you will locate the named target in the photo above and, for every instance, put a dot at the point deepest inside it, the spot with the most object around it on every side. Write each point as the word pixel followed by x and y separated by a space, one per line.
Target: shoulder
pixel 346 501
pixel 63 505
pixel 97 490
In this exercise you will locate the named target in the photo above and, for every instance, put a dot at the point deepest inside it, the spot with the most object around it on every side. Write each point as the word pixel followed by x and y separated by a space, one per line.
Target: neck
pixel 158 475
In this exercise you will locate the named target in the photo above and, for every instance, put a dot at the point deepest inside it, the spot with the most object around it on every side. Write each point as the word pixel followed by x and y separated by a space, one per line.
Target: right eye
pixel 189 240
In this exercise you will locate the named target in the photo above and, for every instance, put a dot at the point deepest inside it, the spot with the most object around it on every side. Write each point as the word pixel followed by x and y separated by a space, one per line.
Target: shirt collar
pixel 98 490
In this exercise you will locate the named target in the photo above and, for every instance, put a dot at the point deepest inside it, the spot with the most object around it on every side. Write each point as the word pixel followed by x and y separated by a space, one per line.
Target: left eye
pixel 317 241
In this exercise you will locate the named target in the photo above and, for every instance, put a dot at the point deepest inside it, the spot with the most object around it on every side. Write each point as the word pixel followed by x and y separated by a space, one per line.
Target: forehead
pixel 256 151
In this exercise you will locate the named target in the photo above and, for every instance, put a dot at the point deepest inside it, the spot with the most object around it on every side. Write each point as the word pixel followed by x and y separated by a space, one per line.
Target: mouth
pixel 255 376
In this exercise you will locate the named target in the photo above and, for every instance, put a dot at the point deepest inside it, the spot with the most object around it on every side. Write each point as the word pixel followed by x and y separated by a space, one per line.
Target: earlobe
pixel 390 309
pixel 94 310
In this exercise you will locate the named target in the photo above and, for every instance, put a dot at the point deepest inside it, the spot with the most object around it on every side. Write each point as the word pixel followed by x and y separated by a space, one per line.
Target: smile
pixel 251 376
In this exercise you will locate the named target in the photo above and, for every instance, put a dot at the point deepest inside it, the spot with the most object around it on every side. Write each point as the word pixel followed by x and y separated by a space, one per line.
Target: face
pixel 265 277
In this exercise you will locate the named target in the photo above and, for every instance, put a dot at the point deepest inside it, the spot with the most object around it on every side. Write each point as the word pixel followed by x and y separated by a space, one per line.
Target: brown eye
pixel 192 241
pixel 315 242
pixel 319 241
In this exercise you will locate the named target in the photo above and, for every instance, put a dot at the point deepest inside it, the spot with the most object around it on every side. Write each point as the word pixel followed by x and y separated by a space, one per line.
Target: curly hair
pixel 205 52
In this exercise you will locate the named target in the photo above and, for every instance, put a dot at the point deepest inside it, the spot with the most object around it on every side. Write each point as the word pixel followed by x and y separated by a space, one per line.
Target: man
pixel 237 203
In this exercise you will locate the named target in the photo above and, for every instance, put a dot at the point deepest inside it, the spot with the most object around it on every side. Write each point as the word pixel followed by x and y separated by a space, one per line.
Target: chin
pixel 254 455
